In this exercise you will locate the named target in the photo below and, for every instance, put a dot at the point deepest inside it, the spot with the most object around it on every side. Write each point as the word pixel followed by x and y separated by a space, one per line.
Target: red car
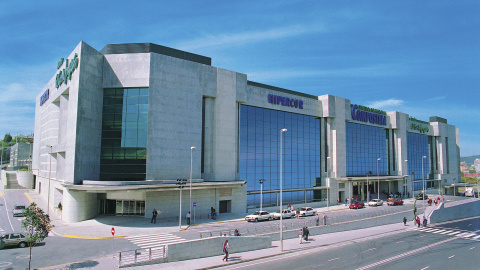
pixel 356 205
pixel 394 201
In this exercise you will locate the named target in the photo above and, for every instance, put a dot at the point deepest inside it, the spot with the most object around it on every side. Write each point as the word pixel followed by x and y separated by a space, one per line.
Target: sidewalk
pixel 290 246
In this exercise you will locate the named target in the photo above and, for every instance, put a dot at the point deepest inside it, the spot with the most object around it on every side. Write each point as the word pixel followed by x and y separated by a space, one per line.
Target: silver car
pixel 13 239
pixel 18 210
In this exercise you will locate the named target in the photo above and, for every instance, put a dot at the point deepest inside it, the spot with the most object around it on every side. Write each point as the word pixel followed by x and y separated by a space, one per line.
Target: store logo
pixel 44 97
pixel 360 113
pixel 419 127
pixel 66 74
pixel 284 101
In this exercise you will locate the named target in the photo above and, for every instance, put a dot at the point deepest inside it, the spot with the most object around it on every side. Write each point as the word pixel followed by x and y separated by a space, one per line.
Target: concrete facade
pixel 190 103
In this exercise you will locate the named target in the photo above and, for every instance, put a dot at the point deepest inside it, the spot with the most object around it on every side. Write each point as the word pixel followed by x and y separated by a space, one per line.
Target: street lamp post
pixel 180 182
pixel 49 178
pixel 261 194
pixel 281 185
pixel 405 180
pixel 1 158
pixel 368 189
pixel 423 185
pixel 328 184
pixel 378 180
pixel 191 166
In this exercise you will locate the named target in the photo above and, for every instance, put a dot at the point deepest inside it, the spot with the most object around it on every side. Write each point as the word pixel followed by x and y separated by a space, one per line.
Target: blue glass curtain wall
pixel 417 148
pixel 124 134
pixel 260 153
pixel 365 144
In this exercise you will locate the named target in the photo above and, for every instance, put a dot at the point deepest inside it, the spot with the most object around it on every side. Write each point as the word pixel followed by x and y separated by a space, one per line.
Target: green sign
pixel 66 74
pixel 419 127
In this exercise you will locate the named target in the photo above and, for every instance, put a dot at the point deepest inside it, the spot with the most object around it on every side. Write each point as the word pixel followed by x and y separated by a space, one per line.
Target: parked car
pixel 259 215
pixel 375 202
pixel 394 201
pixel 469 192
pixel 13 239
pixel 18 210
pixel 356 205
pixel 307 211
pixel 286 213
pixel 420 196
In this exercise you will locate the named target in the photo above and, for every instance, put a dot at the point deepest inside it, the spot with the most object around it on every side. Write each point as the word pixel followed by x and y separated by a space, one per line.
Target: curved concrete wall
pixel 25 179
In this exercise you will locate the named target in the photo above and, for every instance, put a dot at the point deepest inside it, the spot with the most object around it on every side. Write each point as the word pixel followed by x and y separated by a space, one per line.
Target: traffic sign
pixel 194 204
pixel 113 231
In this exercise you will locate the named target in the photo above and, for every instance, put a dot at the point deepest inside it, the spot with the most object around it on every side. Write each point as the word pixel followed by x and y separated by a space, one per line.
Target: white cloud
pixel 384 104
pixel 247 37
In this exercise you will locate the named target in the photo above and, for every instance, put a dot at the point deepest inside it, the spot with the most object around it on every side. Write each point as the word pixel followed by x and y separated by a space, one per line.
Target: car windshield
pixel 256 213
pixel 18 207
pixel 303 209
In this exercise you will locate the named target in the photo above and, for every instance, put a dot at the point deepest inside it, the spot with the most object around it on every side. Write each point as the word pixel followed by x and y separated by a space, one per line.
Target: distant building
pixel 21 155
pixel 114 130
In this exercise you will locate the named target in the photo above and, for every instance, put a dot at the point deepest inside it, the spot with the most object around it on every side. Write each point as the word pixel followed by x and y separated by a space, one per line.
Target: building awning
pixel 150 185
pixel 371 178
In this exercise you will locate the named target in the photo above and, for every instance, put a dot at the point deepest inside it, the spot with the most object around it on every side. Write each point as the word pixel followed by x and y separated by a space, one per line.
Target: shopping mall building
pixel 115 129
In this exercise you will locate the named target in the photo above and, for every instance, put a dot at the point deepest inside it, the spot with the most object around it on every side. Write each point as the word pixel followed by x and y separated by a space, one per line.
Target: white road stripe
pixel 476 237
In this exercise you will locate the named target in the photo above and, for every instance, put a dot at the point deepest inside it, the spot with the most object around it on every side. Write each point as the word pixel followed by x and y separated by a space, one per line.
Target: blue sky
pixel 417 57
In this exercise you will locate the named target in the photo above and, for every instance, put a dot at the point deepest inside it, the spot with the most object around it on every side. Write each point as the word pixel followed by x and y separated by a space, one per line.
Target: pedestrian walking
pixel 236 232
pixel 324 219
pixel 418 221
pixel 300 235
pixel 317 219
pixel 291 208
pixel 404 221
pixel 154 216
pixel 297 214
pixel 346 201
pixel 306 232
pixel 338 200
pixel 424 221
pixel 226 247
pixel 188 216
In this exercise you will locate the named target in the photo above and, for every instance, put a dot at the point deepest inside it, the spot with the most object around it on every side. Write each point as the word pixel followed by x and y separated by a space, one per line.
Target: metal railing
pixel 133 257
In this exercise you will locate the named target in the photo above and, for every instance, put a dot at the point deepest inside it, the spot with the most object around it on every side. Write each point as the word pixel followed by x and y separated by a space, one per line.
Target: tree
pixel 7 138
pixel 37 226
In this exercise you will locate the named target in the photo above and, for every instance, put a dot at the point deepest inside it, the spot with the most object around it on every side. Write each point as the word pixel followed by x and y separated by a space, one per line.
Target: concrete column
pixel 78 205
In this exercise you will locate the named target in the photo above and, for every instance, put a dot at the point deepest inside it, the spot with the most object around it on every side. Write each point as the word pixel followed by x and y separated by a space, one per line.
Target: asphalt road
pixel 405 250
pixel 54 250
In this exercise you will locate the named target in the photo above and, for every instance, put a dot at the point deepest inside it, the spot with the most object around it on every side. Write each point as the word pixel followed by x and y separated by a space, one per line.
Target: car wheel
pixel 270 218
pixel 256 220
pixel 22 244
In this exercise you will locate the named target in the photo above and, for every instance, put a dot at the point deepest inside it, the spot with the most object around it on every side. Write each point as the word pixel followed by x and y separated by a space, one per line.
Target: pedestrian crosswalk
pixel 451 232
pixel 154 241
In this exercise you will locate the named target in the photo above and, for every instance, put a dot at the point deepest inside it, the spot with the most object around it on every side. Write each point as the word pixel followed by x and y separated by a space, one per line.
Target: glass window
pixel 417 156
pixel 124 134
pixel 365 145
pixel 259 152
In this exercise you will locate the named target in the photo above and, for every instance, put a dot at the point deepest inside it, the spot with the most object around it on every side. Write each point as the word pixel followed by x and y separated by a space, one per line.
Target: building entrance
pixel 121 207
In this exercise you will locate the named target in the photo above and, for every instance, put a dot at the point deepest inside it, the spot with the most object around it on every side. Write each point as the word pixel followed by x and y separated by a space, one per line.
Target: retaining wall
pixel 469 208
pixel 212 246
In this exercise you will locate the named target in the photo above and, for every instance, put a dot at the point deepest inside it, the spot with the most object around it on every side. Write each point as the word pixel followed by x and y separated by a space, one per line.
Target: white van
pixel 469 192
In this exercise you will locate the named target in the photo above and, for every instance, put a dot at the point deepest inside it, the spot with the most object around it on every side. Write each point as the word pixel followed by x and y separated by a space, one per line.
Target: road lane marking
pixel 472 247
pixel 476 237
pixel 400 256
pixel 451 256
pixel 399 242
pixel 334 259
pixel 6 211
pixel 425 268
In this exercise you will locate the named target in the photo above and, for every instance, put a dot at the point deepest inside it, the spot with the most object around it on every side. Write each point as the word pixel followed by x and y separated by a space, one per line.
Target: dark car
pixel 420 196
pixel 356 205
pixel 13 239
